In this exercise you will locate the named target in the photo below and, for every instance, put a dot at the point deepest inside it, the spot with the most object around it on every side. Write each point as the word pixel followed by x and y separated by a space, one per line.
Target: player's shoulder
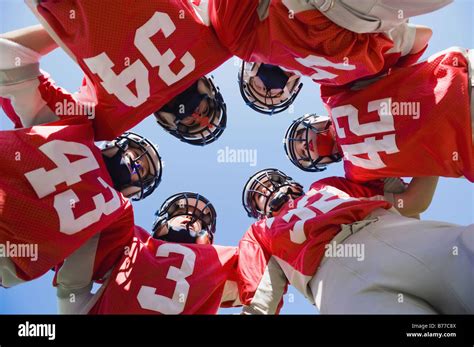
pixel 332 181
pixel 350 187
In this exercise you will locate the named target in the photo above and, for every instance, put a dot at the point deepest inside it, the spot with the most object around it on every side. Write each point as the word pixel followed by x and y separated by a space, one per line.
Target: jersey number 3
pixel 147 296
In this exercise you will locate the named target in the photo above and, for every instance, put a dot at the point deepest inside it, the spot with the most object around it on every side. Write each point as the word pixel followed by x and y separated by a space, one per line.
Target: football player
pixel 380 129
pixel 31 98
pixel 175 270
pixel 136 67
pixel 196 116
pixel 292 35
pixel 54 178
pixel 267 88
pixel 297 37
pixel 350 251
pixel 53 175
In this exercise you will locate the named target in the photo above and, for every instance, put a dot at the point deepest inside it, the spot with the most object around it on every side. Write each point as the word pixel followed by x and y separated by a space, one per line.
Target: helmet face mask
pixel 267 88
pixel 197 116
pixel 194 210
pixel 301 133
pixel 142 160
pixel 267 191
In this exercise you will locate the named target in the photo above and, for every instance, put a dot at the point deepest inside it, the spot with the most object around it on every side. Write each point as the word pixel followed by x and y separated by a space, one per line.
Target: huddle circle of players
pixel 78 196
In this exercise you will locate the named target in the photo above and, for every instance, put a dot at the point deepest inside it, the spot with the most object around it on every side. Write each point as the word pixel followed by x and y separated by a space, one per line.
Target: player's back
pixel 137 55
pixel 416 121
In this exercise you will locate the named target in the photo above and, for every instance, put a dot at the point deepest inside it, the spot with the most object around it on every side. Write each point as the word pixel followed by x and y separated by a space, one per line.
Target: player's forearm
pixel 33 37
pixel 73 301
pixel 268 296
pixel 418 196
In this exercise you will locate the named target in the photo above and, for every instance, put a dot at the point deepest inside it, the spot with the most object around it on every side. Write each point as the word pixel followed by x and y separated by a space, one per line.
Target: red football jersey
pixel 55 194
pixel 7 107
pixel 138 54
pixel 417 121
pixel 301 39
pixel 297 237
pixel 157 277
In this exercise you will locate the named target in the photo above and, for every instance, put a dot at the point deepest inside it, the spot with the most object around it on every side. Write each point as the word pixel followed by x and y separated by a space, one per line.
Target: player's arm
pixel 417 197
pixel 73 280
pixel 33 37
pixel 262 283
pixel 22 83
pixel 268 296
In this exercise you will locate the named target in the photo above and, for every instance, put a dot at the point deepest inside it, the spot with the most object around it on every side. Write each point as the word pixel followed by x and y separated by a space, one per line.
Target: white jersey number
pixel 370 146
pixel 330 199
pixel 147 296
pixel 318 63
pixel 44 183
pixel 118 84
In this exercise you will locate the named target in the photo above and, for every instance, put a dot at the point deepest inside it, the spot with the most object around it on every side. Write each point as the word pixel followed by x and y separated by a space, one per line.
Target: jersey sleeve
pixel 373 190
pixel 94 259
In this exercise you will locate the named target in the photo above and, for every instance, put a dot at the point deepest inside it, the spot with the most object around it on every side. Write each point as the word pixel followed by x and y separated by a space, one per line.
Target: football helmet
pixel 272 188
pixel 197 116
pixel 187 204
pixel 124 158
pixel 267 88
pixel 301 150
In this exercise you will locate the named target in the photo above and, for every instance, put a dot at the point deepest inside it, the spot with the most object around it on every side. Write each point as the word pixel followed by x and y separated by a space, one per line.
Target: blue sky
pixel 197 168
